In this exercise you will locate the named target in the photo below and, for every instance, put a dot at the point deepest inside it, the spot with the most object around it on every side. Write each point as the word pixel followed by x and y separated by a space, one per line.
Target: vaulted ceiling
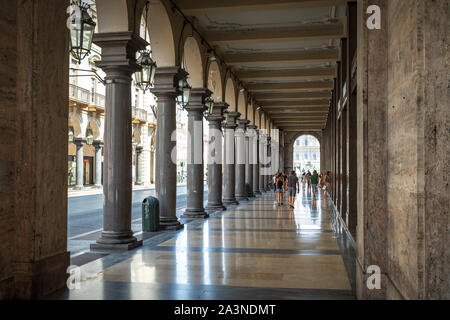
pixel 284 51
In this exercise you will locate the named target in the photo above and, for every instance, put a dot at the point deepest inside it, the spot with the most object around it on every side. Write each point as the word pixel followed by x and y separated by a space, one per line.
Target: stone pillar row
pixel 118 63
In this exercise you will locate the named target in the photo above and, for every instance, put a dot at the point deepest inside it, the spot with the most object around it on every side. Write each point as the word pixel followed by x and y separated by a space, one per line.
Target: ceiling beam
pixel 197 7
pixel 326 31
pixel 316 116
pixel 291 86
pixel 290 74
pixel 306 56
pixel 306 103
pixel 296 95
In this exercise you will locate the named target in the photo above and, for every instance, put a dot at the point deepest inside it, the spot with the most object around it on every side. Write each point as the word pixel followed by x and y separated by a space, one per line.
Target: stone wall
pixel 417 184
pixel 8 135
pixel 403 121
pixel 33 148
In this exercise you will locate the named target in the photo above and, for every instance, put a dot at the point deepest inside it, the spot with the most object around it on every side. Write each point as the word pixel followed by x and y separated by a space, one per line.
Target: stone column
pixel 139 163
pixel 262 159
pixel 255 167
pixel 267 176
pixel 215 157
pixel 195 183
pixel 229 169
pixel 98 163
pixel 241 195
pixel 79 142
pixel 166 90
pixel 250 164
pixel 118 62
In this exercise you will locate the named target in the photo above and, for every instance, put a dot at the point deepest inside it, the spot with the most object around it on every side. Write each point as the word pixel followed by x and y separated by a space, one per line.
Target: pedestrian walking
pixel 293 186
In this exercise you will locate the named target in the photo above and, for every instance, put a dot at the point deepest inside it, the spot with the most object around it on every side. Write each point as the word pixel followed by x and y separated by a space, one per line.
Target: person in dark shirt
pixel 314 178
pixel 293 186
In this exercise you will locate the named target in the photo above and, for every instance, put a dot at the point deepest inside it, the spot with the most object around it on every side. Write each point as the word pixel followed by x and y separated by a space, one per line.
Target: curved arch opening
pixel 306 154
pixel 193 62
pixel 230 96
pixel 214 82
pixel 241 106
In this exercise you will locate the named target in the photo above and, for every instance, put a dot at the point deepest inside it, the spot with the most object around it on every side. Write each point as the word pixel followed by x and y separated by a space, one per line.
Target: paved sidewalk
pixel 93 190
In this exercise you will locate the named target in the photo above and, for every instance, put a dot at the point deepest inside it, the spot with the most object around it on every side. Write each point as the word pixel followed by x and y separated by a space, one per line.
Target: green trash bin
pixel 247 189
pixel 150 214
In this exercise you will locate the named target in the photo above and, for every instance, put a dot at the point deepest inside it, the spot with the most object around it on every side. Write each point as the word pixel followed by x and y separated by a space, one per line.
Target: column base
pixel 215 207
pixel 111 240
pixel 118 246
pixel 78 188
pixel 138 183
pixel 241 198
pixel 195 214
pixel 98 186
pixel 256 193
pixel 230 201
pixel 251 195
pixel 261 191
pixel 170 225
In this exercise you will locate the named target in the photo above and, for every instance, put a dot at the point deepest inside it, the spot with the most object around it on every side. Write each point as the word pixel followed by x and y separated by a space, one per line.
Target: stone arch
pixel 161 34
pixel 251 113
pixel 94 124
pixel 214 81
pixel 230 95
pixel 297 135
pixel 112 15
pixel 193 62
pixel 257 119
pixel 263 121
pixel 241 108
pixel 136 135
pixel 75 121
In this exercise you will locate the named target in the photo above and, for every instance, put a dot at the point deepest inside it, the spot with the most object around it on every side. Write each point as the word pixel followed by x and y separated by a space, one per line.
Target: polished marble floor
pixel 256 250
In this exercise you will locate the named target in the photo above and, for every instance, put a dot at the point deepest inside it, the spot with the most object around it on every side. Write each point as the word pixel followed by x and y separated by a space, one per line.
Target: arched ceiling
pixel 283 51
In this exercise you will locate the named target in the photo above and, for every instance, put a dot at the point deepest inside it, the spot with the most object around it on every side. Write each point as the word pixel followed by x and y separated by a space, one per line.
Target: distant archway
pixel 306 153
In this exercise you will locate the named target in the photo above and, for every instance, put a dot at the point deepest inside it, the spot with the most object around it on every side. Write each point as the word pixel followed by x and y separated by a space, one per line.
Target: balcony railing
pixel 85 96
pixel 98 100
pixel 139 114
pixel 79 94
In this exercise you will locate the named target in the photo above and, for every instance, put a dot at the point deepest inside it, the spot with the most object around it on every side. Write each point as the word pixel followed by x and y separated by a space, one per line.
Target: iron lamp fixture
pixel 185 89
pixel 82 29
pixel 145 78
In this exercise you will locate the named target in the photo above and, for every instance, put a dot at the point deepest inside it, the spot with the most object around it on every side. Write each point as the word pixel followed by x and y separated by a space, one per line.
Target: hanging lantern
pixel 145 78
pixel 89 136
pixel 81 30
pixel 185 88
pixel 209 103
pixel 71 134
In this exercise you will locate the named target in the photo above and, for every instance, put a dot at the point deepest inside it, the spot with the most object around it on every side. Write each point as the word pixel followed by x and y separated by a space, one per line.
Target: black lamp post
pixel 81 30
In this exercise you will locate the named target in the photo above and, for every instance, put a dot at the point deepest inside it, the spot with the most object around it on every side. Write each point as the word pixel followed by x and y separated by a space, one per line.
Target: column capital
pixel 79 141
pixel 139 149
pixel 252 127
pixel 218 112
pixel 230 120
pixel 197 99
pixel 118 52
pixel 242 123
pixel 98 144
pixel 166 81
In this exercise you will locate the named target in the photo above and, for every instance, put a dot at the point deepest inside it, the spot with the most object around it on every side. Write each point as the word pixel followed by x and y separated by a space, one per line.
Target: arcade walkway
pixel 256 250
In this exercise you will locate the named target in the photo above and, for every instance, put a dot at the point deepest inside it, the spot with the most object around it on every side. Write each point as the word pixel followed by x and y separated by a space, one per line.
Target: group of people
pixel 291 184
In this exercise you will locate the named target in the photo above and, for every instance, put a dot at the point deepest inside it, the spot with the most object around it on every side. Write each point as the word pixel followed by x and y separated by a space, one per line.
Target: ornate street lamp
pixel 81 30
pixel 185 88
pixel 145 78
